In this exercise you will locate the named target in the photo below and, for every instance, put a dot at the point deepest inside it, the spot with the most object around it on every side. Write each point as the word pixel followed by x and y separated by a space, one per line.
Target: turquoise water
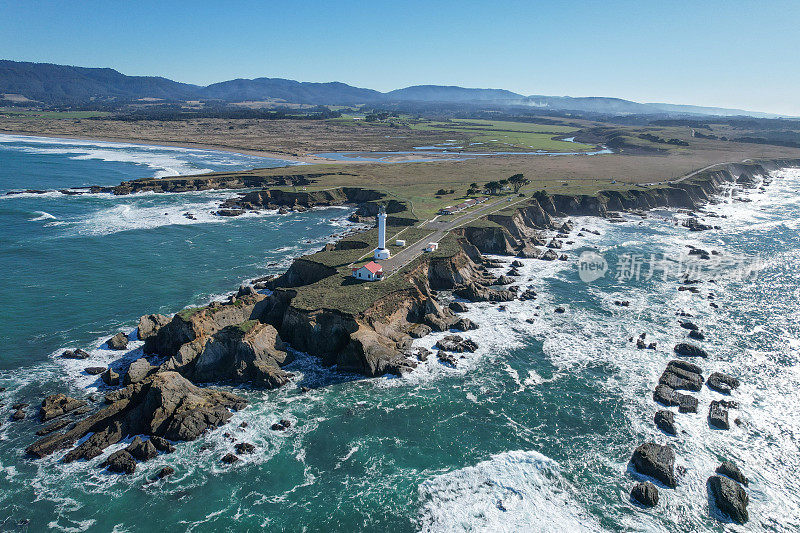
pixel 531 433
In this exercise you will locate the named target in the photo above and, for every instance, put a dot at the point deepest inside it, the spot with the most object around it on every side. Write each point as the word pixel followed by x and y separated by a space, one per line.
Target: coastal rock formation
pixel 118 342
pixel 668 396
pixel 165 404
pixel 730 498
pixel 680 375
pixel 729 469
pixel 718 415
pixel 722 382
pixel 149 325
pixel 478 293
pixel 456 343
pixel 645 494
pixel 665 421
pixel 689 350
pixel 249 352
pixel 656 461
pixel 75 354
pixel 56 405
pixel 121 462
pixel 137 371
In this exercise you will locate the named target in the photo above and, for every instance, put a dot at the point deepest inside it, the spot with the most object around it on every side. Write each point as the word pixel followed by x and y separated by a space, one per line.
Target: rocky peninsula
pixel 317 308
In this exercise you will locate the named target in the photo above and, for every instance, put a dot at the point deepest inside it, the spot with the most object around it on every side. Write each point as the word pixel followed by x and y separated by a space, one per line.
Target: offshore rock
pixel 665 421
pixel 645 494
pixel 680 375
pixel 718 415
pixel 730 498
pixel 166 405
pixel 456 343
pixel 477 293
pixel 143 450
pixel 120 462
pixel 110 377
pixel 56 405
pixel 689 350
pixel 75 354
pixel 656 461
pixel 722 382
pixel 458 307
pixel 727 468
pixel 118 342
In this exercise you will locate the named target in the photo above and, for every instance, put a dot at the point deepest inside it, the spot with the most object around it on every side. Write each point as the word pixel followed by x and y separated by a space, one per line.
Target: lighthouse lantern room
pixel 381 252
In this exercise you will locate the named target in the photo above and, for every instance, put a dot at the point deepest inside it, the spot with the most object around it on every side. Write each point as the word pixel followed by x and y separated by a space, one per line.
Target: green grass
pixel 246 326
pixel 497 135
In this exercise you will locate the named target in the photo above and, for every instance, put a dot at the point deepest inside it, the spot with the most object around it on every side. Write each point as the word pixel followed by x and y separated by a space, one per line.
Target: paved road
pixel 439 227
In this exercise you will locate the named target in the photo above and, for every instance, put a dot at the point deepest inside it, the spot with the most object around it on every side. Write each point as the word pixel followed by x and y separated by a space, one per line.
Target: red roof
pixel 372 266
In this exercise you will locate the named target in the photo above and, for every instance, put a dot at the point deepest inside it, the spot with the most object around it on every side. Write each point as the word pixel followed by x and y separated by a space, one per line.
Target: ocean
pixel 533 432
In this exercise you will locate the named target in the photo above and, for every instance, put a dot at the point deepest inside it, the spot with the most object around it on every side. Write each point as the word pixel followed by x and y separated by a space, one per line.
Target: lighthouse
pixel 381 252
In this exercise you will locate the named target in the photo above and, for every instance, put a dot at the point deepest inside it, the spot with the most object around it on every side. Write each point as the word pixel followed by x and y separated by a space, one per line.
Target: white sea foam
pixel 42 215
pixel 512 491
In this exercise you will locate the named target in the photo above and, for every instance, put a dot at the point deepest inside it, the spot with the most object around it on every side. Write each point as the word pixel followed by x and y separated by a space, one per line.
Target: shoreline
pixel 304 159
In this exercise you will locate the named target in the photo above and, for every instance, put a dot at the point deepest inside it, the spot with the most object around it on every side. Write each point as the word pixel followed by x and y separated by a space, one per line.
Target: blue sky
pixel 732 54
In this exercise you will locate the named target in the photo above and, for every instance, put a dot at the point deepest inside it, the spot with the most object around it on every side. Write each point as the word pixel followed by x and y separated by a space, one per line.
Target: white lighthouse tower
pixel 381 252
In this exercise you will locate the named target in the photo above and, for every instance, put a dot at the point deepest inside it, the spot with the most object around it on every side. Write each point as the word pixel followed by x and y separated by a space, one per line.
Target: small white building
pixel 400 242
pixel 432 247
pixel 372 271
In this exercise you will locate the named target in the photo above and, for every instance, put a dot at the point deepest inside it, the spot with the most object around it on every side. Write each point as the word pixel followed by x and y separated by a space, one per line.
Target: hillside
pixel 60 85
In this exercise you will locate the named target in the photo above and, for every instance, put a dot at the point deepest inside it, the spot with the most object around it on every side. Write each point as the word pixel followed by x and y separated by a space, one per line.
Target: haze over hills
pixel 61 85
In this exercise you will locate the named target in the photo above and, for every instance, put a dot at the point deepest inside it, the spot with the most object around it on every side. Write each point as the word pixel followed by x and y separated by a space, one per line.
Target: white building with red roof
pixel 372 271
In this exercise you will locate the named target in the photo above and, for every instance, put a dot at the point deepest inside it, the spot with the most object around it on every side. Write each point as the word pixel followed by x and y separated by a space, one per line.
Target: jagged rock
pixel 137 371
pixel 110 377
pixel 458 307
pixel 280 426
pixel 665 395
pixel 722 382
pixel 143 450
pixel 517 263
pixel 421 354
pixel 165 472
pixel 689 350
pixel 656 461
pixel 75 354
pixel 477 293
pixel 689 325
pixel 554 244
pixel 718 415
pixel 118 342
pixel 665 421
pixel 559 310
pixel 549 255
pixel 622 303
pixel 229 459
pixel 513 272
pixel 18 415
pixel 91 447
pixel 447 358
pixel 94 370
pixel 697 335
pixel 528 294
pixel 248 352
pixel 729 469
pixel 165 404
pixel 730 498
pixel 645 494
pixel 456 343
pixel 563 257
pixel 680 375
pixel 529 252
pixel 245 290
pixel 504 280
pixel 420 330
pixel 244 448
pixel 121 462
pixel 464 324
pixel 161 444
pixel 56 405
pixel 59 424
pixel 149 325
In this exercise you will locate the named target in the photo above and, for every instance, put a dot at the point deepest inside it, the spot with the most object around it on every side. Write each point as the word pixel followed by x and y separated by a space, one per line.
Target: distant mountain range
pixel 66 85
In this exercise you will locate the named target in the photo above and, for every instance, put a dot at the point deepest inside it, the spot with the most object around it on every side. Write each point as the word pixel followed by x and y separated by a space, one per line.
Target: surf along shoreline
pixel 315 307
